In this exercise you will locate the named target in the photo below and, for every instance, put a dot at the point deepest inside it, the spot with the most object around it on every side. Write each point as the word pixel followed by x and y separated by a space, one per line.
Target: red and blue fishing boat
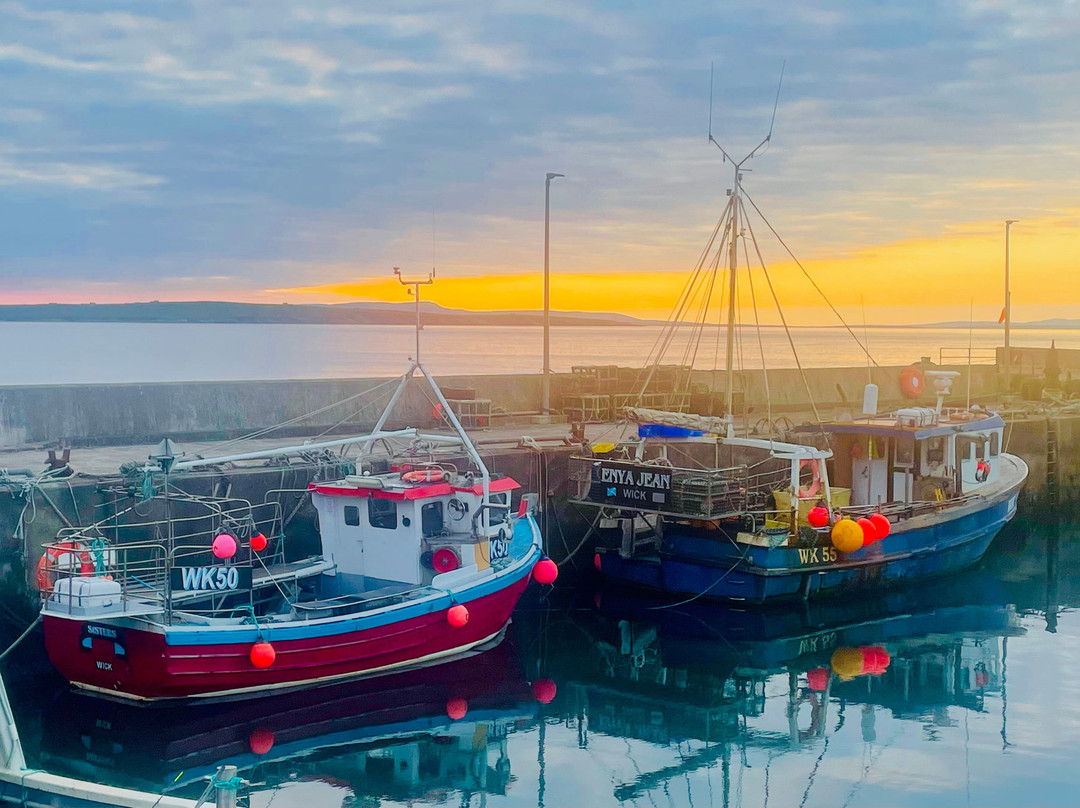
pixel 419 562
pixel 698 505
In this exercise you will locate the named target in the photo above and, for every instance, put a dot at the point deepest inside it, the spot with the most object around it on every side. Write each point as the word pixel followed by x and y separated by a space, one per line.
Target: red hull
pixel 150 668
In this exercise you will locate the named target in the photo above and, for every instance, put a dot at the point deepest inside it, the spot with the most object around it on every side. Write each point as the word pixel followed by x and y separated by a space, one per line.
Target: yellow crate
pixel 838 498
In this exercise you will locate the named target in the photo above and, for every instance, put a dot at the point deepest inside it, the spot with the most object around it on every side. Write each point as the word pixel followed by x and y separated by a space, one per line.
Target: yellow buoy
pixel 847 663
pixel 847 536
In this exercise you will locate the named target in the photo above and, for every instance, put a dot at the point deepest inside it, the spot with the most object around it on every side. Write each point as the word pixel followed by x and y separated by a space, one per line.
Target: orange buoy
pixel 545 571
pixel 258 542
pixel 457 616
pixel 912 382
pixel 847 537
pixel 262 654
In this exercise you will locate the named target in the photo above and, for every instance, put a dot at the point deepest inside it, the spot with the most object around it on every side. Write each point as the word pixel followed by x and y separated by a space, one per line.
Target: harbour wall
pixel 116 414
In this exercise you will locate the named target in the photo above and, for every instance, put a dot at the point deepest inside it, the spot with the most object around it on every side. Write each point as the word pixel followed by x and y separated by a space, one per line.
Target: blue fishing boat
pixel 691 505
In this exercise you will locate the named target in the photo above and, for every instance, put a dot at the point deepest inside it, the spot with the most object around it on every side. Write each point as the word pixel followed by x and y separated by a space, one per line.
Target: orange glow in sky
pixel 908 281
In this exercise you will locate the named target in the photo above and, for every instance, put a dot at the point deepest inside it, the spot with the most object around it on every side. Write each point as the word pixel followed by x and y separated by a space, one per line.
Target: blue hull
pixel 708 563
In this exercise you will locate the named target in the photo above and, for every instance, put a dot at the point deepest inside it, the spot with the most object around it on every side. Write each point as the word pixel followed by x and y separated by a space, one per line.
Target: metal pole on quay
pixel 1008 310
pixel 545 405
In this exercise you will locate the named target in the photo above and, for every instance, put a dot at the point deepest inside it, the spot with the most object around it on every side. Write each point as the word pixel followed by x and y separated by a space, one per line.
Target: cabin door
pixel 870 474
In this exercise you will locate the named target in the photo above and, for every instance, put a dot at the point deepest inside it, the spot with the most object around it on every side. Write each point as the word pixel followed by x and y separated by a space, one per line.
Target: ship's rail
pixel 693 493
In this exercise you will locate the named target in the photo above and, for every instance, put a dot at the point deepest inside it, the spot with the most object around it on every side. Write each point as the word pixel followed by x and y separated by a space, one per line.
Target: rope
pixel 21 637
pixel 783 319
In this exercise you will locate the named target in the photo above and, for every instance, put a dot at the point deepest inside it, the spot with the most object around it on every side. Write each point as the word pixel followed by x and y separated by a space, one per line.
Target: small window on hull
pixel 431 519
pixel 352 516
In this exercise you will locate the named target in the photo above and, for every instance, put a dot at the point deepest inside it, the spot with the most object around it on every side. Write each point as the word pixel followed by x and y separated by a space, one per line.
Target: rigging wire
pixel 761 346
pixel 783 319
pixel 810 278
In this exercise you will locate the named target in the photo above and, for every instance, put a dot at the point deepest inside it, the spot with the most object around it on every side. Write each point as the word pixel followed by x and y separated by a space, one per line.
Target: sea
pixel 958 691
pixel 89 353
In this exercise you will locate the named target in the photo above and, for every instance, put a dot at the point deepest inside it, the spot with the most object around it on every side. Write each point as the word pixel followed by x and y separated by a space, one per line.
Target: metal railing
pixel 967 356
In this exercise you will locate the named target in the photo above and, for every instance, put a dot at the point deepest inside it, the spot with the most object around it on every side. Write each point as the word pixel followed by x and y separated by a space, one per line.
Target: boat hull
pixel 143 660
pixel 697 565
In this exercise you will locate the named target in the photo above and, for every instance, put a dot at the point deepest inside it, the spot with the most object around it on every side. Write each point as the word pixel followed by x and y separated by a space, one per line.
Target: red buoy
pixel 546 571
pixel 882 523
pixel 258 542
pixel 262 654
pixel 457 616
pixel 818 516
pixel 544 690
pixel 875 659
pixel 456 708
pixel 261 741
pixel 818 679
pixel 596 562
pixel 869 531
pixel 224 546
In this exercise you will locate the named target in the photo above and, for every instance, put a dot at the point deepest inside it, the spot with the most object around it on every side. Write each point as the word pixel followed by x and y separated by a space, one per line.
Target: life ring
pixel 428 475
pixel 61 556
pixel 808 491
pixel 982 471
pixel 912 382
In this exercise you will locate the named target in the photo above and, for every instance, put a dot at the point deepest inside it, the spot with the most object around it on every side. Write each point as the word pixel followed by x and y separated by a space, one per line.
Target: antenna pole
pixel 733 261
pixel 415 292
pixel 711 66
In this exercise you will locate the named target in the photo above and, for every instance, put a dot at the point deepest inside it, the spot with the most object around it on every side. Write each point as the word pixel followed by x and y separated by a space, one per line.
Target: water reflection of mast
pixel 1052 547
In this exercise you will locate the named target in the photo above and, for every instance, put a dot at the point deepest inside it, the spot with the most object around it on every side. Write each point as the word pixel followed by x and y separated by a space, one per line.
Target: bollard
pixel 226 783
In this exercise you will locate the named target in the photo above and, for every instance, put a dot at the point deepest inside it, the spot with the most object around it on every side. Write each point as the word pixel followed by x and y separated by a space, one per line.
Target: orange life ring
pixel 912 382
pixel 50 561
pixel 808 491
pixel 429 475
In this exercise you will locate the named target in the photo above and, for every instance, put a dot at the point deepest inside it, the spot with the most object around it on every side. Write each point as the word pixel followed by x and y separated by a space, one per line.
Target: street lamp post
pixel 545 405
pixel 1008 310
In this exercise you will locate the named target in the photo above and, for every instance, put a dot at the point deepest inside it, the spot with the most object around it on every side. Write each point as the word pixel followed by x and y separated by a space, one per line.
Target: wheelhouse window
pixel 935 450
pixel 382 513
pixel 905 453
pixel 500 512
pixel 352 516
pixel 431 519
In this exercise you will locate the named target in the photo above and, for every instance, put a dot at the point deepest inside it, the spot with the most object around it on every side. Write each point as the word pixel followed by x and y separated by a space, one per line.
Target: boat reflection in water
pixel 670 673
pixel 401 737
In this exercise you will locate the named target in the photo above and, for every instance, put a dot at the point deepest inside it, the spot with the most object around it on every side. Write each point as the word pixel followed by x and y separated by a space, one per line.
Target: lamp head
pixel 551 176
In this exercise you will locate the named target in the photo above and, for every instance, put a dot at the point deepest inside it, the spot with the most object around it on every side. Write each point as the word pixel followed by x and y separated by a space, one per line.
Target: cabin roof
pixel 397 489
pixel 888 426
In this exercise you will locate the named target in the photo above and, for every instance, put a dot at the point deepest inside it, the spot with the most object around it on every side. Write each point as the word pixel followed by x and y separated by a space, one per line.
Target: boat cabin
pixel 916 455
pixel 423 527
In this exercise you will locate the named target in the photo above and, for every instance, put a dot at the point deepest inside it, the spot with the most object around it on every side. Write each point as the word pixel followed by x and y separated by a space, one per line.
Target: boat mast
pixel 733 248
pixel 733 262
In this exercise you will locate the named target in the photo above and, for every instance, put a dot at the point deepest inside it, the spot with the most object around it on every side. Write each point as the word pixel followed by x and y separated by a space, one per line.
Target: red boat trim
pixel 423 492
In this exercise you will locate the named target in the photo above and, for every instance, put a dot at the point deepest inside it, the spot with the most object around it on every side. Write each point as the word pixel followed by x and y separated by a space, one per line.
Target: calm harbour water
pixel 696 705
pixel 81 353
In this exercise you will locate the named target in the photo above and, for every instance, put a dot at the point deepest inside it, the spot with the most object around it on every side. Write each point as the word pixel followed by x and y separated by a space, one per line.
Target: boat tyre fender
pixel 50 562
pixel 912 382
pixel 982 471
pixel 808 491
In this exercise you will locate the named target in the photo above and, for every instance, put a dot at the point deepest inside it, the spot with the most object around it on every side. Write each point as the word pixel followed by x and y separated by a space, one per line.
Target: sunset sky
pixel 297 151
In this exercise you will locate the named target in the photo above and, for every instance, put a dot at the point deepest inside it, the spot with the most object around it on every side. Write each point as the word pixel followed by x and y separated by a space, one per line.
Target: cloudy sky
pixel 273 150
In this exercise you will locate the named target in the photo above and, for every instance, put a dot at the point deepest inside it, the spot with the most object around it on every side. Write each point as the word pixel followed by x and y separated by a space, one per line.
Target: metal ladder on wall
pixel 1052 461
